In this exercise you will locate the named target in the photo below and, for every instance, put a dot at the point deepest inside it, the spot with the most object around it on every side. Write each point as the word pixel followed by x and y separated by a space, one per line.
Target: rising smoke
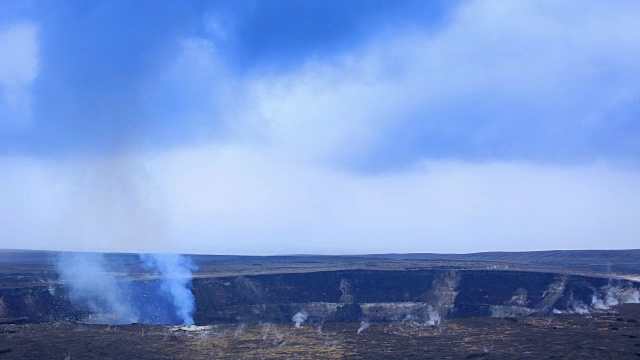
pixel 603 299
pixel 90 283
pixel 611 296
pixel 239 330
pixel 176 272
pixel 265 330
pixel 104 287
pixel 111 206
pixel 299 318
pixel 364 325
pixel 433 316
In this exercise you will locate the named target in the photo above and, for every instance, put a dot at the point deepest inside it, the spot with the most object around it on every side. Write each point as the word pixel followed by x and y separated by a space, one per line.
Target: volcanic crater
pixel 495 305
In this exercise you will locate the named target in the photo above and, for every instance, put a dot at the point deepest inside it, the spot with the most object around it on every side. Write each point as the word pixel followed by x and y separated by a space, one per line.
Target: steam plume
pixel 90 283
pixel 112 204
pixel 299 318
pixel 364 325
pixel 239 330
pixel 433 316
pixel 176 277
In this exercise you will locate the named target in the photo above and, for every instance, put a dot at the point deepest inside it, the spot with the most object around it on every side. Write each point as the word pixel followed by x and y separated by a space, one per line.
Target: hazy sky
pixel 284 126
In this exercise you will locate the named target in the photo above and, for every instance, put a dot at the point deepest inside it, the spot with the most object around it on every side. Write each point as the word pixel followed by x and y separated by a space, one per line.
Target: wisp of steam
pixel 433 316
pixel 89 283
pixel 299 318
pixel 364 325
pixel 176 272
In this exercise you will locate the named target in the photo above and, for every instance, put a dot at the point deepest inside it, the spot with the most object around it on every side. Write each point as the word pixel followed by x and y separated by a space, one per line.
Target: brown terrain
pixel 611 335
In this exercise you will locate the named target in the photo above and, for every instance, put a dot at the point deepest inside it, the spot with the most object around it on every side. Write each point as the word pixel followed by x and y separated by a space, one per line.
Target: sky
pixel 319 127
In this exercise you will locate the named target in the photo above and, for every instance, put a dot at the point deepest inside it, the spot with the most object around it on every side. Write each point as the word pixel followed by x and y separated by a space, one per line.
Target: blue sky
pixel 264 127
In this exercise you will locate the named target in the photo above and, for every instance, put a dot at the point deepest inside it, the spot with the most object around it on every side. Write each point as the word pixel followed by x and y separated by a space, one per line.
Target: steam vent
pixel 312 306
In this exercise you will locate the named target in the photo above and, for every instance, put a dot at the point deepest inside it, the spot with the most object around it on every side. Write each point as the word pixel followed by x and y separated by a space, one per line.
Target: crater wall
pixel 350 295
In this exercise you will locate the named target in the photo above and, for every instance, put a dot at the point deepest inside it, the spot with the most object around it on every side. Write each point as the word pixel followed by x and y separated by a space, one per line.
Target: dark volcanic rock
pixel 348 313
pixel 348 295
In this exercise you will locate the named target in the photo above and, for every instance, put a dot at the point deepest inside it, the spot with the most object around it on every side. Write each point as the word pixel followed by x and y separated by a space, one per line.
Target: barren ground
pixel 613 335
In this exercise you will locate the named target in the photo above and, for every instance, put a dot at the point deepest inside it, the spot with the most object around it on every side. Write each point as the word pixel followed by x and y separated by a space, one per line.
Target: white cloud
pixel 227 199
pixel 525 78
pixel 234 200
pixel 520 75
pixel 18 69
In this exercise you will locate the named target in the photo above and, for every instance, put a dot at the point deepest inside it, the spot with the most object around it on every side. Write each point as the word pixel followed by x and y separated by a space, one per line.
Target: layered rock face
pixel 423 295
pixel 426 296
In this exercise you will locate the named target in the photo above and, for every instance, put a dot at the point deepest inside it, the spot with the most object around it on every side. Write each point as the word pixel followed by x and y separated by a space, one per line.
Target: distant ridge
pixel 551 256
pixel 548 255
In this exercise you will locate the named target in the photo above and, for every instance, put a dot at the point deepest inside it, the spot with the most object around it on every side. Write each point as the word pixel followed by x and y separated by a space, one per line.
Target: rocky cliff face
pixel 40 304
pixel 427 296
pixel 354 295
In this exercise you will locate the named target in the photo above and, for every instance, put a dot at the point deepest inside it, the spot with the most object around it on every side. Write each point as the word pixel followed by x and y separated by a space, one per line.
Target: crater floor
pixel 613 334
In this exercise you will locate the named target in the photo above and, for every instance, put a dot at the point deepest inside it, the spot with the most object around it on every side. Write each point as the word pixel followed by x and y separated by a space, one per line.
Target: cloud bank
pixel 230 200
